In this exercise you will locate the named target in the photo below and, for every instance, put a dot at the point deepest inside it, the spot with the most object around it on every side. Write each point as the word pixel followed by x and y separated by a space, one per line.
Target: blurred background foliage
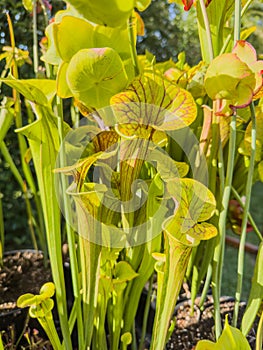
pixel 169 30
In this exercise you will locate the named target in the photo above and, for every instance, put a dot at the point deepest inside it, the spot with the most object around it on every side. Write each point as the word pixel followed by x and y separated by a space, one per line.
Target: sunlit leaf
pixel 51 55
pixel 246 52
pixel 193 196
pixel 126 338
pixel 230 339
pixel 6 117
pixel 256 294
pixel 196 77
pixel 202 231
pixel 139 24
pixel 47 290
pixel 245 33
pixel 218 12
pixel 94 75
pixel 124 272
pixel 104 140
pixel 100 12
pixel 39 91
pixel 41 310
pixel 71 35
pixel 26 300
pixel 63 90
pixel 230 79
pixel 167 167
pixel 28 5
pixel 151 100
pixel 194 203
pixel 20 56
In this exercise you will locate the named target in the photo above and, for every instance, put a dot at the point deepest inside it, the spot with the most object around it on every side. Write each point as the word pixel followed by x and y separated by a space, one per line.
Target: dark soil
pixel 22 272
pixel 192 328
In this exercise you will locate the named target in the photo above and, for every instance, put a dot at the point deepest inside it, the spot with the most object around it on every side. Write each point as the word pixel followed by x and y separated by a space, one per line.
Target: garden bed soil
pixel 22 272
pixel 190 328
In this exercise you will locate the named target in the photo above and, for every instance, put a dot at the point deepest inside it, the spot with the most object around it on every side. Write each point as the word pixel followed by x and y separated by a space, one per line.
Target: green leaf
pixel 63 90
pixel 246 53
pixel 28 5
pixel 218 12
pixel 6 117
pixel 115 38
pixel 26 300
pixel 167 167
pixel 124 272
pixel 152 101
pixel 39 91
pixel 194 196
pixel 51 55
pixel 47 290
pixel 230 339
pixel 41 310
pixel 95 75
pixel 256 294
pixel 126 338
pixel 230 79
pixel 194 203
pixel 245 33
pixel 44 143
pixel 100 12
pixel 142 5
pixel 71 35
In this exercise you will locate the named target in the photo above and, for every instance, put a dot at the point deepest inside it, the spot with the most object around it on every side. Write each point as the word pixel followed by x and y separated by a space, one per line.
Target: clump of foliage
pixel 144 170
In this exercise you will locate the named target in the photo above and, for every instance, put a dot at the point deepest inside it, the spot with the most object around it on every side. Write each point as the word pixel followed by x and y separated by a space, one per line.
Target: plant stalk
pixel 70 233
pixel 35 39
pixel 241 252
pixel 237 16
pixel 219 249
pixel 208 31
pixel 146 313
pixel 259 336
pixel 132 42
pixel 250 218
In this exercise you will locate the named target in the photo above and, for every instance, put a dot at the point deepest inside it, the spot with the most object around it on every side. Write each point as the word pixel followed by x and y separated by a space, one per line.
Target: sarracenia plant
pixel 145 177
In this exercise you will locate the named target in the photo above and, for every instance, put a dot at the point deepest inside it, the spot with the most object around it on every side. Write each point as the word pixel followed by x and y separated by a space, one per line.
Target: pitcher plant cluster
pixel 139 166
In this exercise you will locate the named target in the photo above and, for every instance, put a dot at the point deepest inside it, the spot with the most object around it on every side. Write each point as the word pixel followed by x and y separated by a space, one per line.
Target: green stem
pixel 23 331
pixel 206 286
pixel 44 12
pixel 237 25
pixel 213 157
pixel 134 344
pixel 241 251
pixel 208 31
pixel 132 42
pixel 70 234
pixel 250 218
pixel 219 250
pixel 47 323
pixel 35 40
pixel 227 41
pixel 146 314
pixel 259 337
